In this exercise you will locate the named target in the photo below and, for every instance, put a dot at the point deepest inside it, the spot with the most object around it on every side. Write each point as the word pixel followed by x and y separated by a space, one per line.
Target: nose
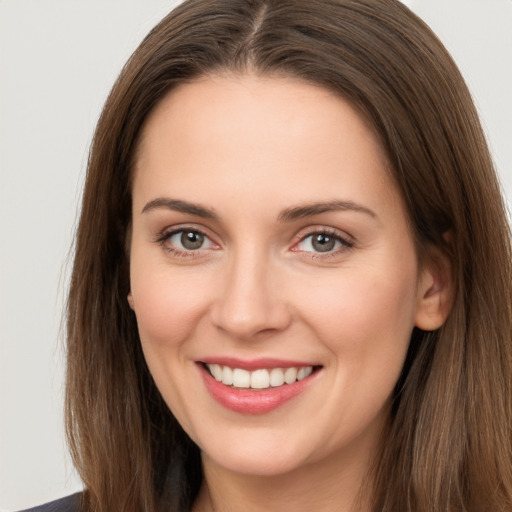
pixel 251 300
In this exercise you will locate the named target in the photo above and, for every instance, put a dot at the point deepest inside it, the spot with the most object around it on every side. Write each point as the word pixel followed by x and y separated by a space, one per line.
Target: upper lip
pixel 255 364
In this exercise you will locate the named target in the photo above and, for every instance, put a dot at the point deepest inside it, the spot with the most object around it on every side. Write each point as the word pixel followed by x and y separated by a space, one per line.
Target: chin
pixel 256 465
pixel 261 457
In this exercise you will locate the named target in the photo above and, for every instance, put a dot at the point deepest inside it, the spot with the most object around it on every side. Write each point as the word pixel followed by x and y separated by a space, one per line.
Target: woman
pixel 291 286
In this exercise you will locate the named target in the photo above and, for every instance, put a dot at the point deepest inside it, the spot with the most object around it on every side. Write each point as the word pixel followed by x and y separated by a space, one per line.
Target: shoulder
pixel 67 504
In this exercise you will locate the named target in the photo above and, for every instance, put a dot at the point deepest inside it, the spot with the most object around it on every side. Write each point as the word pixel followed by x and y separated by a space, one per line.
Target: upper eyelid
pixel 312 230
pixel 163 235
pixel 172 230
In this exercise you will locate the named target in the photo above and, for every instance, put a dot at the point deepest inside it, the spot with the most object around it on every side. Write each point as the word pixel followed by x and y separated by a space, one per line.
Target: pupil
pixel 323 243
pixel 192 240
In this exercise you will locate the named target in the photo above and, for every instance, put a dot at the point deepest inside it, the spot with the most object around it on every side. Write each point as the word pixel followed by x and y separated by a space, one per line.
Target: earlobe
pixel 130 300
pixel 435 293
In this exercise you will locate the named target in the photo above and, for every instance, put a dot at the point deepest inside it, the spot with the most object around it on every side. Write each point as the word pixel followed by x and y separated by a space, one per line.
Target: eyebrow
pixel 307 210
pixel 179 205
pixel 287 215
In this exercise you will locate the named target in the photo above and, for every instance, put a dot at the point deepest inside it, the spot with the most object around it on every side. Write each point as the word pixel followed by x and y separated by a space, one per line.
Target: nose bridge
pixel 249 303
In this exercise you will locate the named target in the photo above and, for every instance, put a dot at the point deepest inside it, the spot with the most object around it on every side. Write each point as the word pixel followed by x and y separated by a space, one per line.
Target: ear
pixel 130 300
pixel 435 291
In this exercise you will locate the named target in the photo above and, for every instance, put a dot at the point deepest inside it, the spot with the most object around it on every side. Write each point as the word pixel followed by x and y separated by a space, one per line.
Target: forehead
pixel 258 134
pixel 223 100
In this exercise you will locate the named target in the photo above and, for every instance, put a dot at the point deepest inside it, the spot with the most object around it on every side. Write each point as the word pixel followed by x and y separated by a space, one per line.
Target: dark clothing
pixel 67 504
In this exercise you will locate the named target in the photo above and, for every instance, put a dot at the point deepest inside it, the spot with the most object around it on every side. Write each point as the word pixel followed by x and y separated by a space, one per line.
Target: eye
pixel 323 242
pixel 184 242
pixel 188 240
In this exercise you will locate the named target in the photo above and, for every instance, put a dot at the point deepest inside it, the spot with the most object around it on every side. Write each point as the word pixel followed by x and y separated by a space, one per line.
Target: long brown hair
pixel 449 443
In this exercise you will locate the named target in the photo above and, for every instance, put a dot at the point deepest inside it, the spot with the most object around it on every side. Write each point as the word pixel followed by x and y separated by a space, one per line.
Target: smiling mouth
pixel 258 379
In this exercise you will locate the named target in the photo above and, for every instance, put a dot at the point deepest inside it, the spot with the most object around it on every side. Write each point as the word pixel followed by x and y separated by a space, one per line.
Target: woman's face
pixel 270 244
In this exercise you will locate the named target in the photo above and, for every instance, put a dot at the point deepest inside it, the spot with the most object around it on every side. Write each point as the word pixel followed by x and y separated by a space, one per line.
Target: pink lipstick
pixel 277 382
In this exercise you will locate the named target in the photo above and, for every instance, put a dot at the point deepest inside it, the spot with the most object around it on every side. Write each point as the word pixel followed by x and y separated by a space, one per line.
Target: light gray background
pixel 58 59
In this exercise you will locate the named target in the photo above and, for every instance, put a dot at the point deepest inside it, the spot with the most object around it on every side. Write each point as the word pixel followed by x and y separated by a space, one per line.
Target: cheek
pixel 167 311
pixel 366 317
pixel 167 307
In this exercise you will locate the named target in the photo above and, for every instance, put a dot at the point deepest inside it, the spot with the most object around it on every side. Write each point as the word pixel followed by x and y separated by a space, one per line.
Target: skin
pixel 247 149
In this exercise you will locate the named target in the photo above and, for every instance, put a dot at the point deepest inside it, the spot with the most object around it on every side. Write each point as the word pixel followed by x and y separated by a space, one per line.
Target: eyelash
pixel 165 236
pixel 346 243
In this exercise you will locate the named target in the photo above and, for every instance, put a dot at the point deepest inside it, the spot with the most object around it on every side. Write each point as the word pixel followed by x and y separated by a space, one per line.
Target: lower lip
pixel 250 401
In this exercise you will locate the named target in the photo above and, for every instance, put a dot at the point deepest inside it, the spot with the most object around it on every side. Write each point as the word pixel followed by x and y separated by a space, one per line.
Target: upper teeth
pixel 258 379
